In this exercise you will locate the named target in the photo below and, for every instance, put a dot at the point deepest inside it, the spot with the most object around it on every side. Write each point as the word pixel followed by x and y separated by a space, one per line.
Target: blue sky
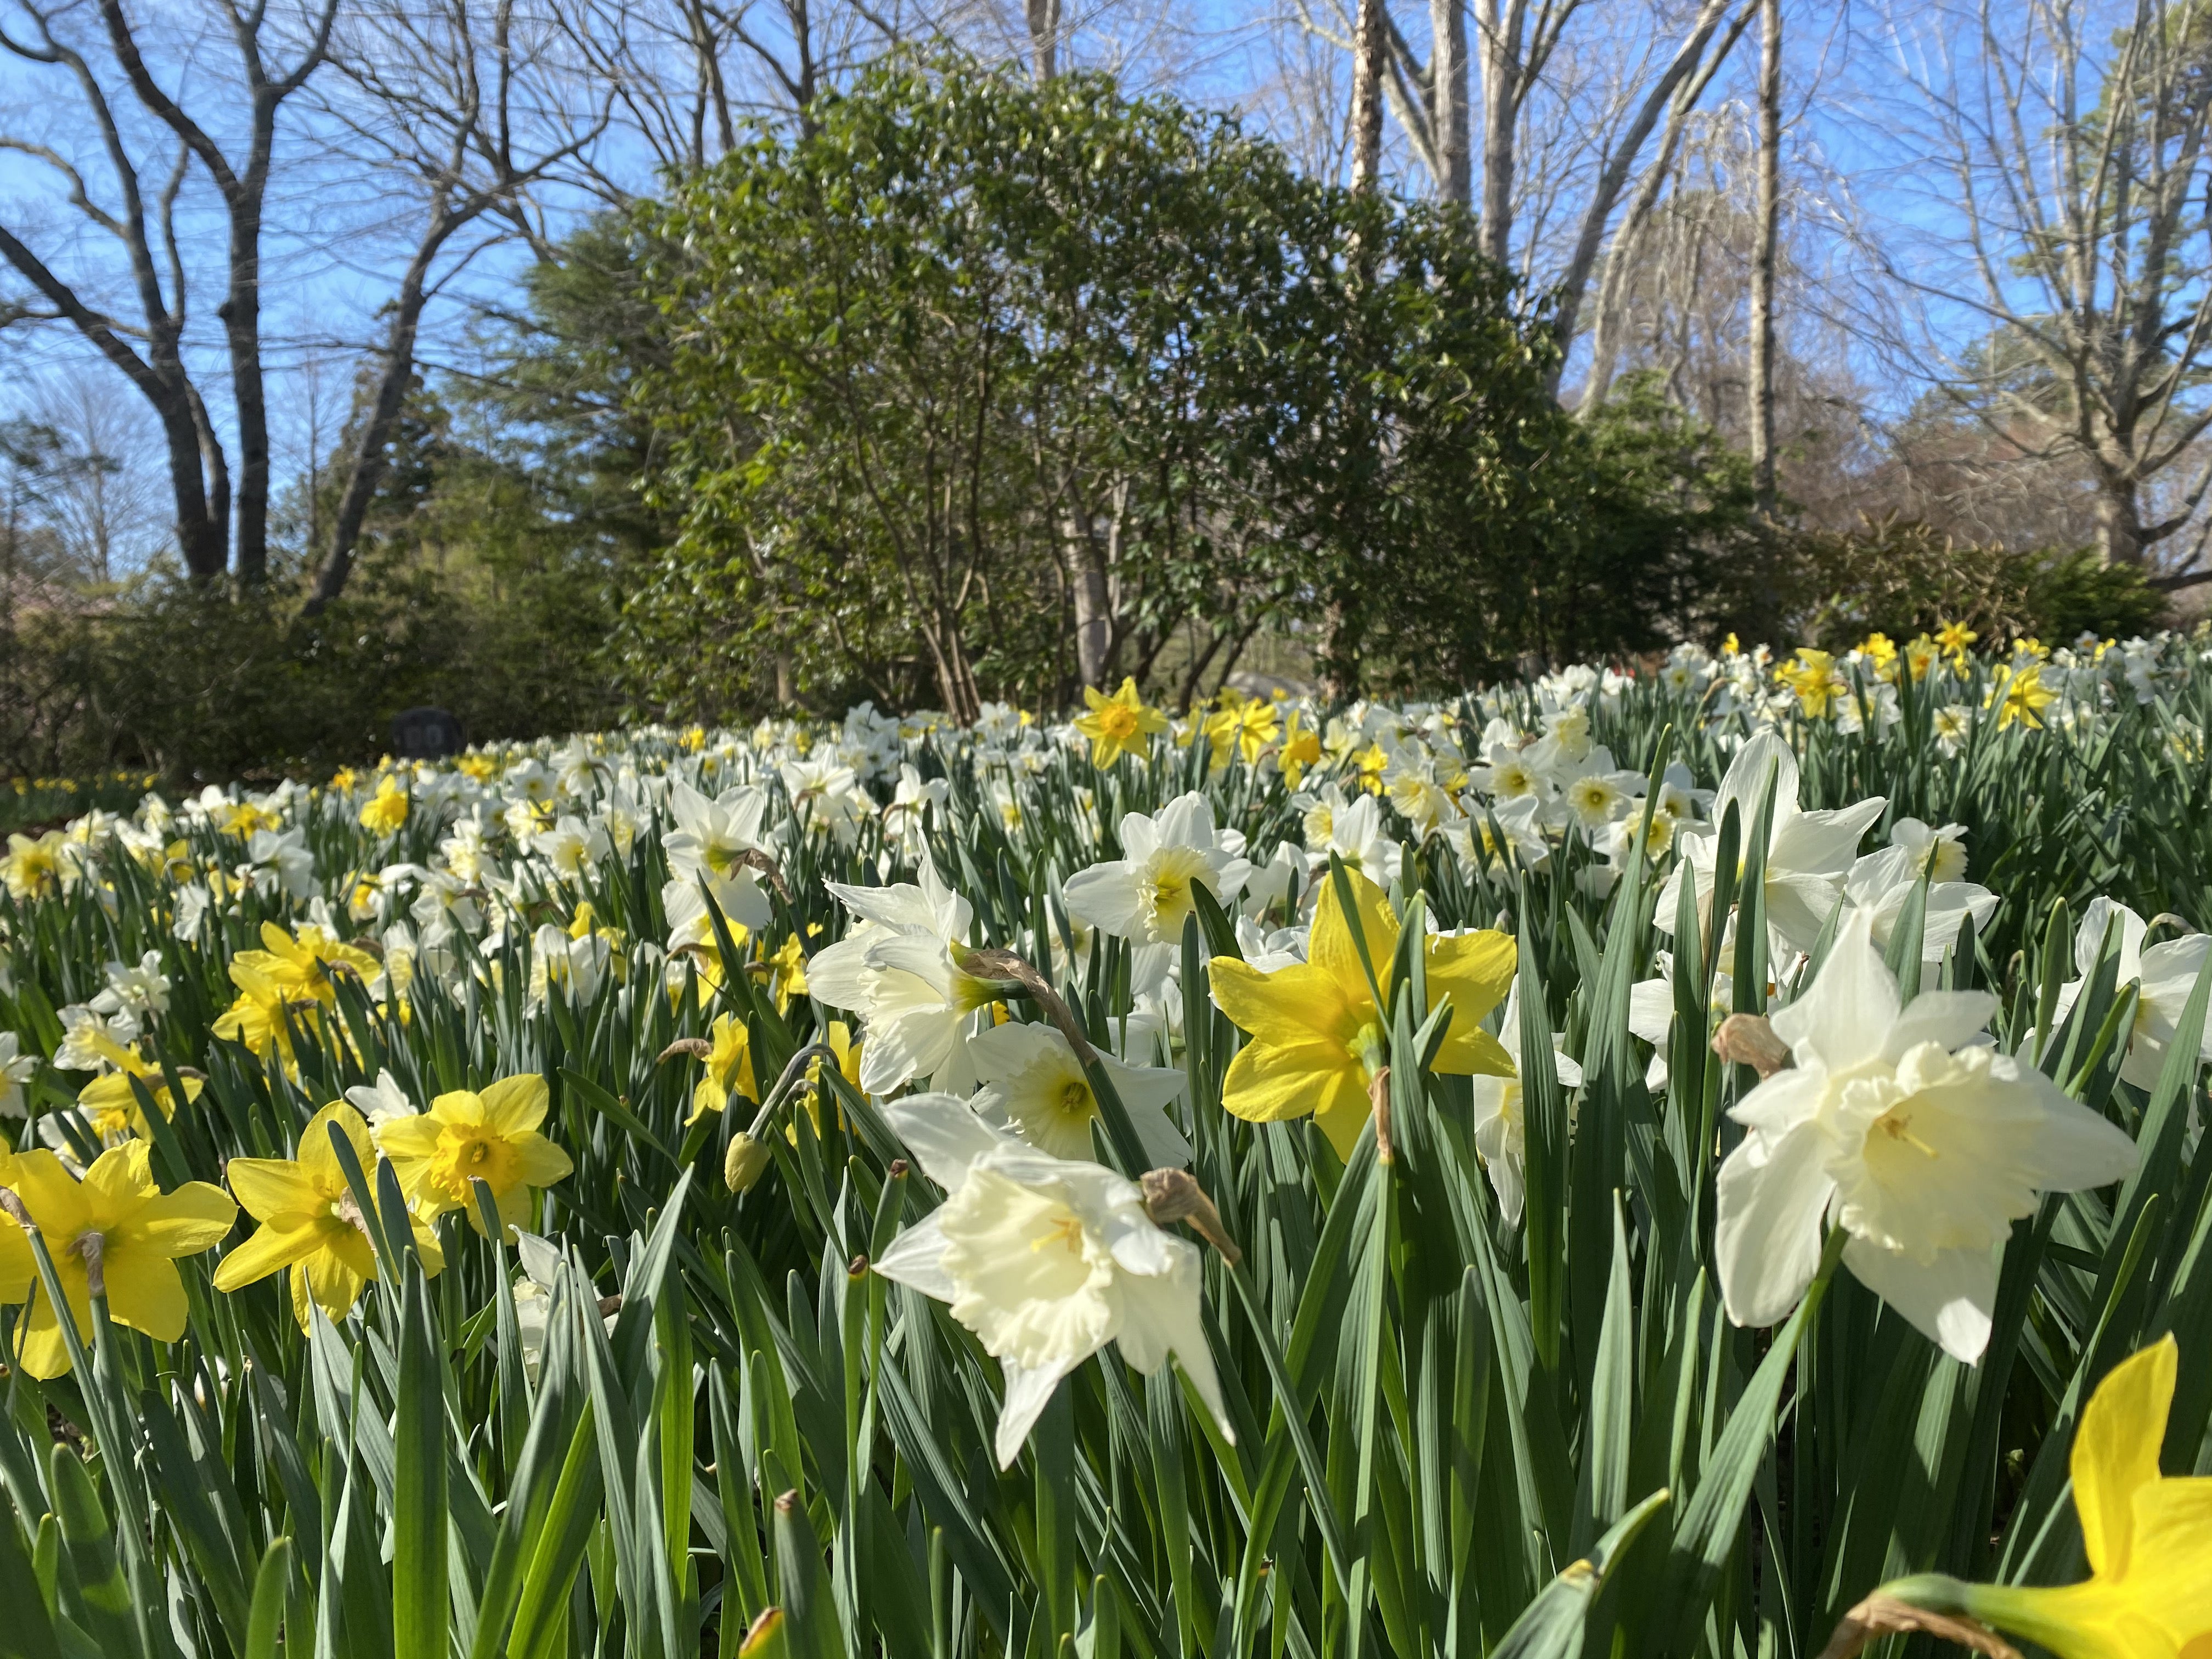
pixel 337 238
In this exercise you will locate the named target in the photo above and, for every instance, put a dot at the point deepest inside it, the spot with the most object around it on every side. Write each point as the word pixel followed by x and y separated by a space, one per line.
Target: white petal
pixel 916 1258
pixel 1844 1015
pixel 1162 1316
pixel 1953 1018
pixel 1767 1238
pixel 1948 1300
pixel 1027 1392
pixel 2089 938
pixel 1105 895
pixel 944 1135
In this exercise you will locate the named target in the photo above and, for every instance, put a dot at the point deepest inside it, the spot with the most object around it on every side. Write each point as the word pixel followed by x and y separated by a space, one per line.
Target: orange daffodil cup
pixel 1318 1038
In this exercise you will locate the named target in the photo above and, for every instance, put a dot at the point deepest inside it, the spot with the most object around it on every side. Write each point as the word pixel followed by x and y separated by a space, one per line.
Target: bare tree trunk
pixel 1762 264
pixel 1044 38
pixel 1606 193
pixel 1369 47
pixel 2120 531
pixel 365 466
pixel 243 190
pixel 1501 37
pixel 1447 99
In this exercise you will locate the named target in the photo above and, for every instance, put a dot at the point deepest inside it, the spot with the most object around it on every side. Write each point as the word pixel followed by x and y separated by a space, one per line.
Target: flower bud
pixel 745 1163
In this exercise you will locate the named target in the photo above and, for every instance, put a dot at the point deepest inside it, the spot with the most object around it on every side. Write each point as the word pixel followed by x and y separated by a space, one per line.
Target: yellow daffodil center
pixel 1117 721
pixel 469 1152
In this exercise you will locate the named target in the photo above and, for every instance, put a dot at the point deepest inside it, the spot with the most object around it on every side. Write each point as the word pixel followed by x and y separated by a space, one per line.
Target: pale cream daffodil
pixel 1144 895
pixel 1808 853
pixel 1034 1085
pixel 1897 1124
pixel 1045 1260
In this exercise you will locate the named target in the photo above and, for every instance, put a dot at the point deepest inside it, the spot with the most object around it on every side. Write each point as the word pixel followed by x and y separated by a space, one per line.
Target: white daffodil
pixel 16 1069
pixel 570 848
pixel 1506 773
pixel 543 1269
pixel 1501 1126
pixel 577 965
pixel 2164 975
pixel 1353 832
pixel 140 990
pixel 1901 1127
pixel 1808 853
pixel 896 970
pixel 1045 1260
pixel 714 836
pixel 1144 895
pixel 907 814
pixel 1034 1085
pixel 381 1101
pixel 826 795
pixel 1881 883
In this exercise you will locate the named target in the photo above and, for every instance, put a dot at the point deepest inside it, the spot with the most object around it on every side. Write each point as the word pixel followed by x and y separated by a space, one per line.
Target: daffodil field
pixel 1701 1160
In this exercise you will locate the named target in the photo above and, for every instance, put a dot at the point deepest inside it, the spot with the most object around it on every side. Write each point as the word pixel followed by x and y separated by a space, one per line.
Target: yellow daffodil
pixel 294 976
pixel 847 1053
pixel 1920 655
pixel 386 810
pixel 1370 763
pixel 481 767
pixel 309 1221
pixel 2149 1538
pixel 1954 638
pixel 344 779
pixel 1812 676
pixel 1317 1034
pixel 729 1069
pixel 115 1224
pixel 2020 695
pixel 1301 749
pixel 110 1106
pixel 37 869
pixel 1882 651
pixel 786 971
pixel 1245 730
pixel 1118 724
pixel 465 1136
pixel 239 819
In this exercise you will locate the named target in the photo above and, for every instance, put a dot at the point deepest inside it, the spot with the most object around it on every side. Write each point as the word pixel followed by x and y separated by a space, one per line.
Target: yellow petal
pixel 538 1162
pixel 270 1186
pixel 1292 1004
pixel 514 1105
pixel 43 1351
pixel 1472 1053
pixel 318 1159
pixel 1268 1082
pixel 118 1181
pixel 2116 1451
pixel 409 1139
pixel 1331 948
pixel 146 1292
pixel 332 1281
pixel 18 1267
pixel 193 1218
pixel 272 1250
pixel 52 1194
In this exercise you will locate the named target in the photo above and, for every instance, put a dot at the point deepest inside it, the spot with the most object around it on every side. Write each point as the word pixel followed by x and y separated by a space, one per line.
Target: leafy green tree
pixel 969 385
